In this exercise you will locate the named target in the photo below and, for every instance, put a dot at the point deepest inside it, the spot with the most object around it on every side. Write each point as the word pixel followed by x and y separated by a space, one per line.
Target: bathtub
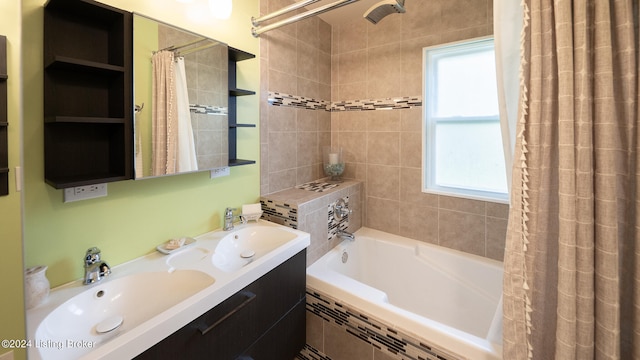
pixel 442 298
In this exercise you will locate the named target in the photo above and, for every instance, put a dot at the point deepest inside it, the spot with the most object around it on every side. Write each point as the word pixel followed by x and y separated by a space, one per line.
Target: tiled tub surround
pixel 382 149
pixel 309 211
pixel 403 297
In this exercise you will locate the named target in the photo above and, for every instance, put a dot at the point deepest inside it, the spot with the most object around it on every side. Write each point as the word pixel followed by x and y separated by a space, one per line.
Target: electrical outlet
pixel 221 171
pixel 85 192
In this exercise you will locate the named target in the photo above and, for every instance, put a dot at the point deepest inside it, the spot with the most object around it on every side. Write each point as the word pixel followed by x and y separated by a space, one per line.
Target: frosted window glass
pixel 463 141
pixel 469 156
pixel 466 85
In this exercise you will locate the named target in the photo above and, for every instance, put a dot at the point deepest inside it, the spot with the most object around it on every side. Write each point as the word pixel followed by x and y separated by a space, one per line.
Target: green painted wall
pixel 136 215
pixel 11 266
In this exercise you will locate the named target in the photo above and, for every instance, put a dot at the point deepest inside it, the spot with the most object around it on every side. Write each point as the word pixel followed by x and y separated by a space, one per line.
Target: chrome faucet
pixel 344 234
pixel 94 268
pixel 228 219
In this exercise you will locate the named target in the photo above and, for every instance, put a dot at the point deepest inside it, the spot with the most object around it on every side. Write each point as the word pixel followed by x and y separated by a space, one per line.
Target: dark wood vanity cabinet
pixel 263 321
pixel 88 107
pixel 4 122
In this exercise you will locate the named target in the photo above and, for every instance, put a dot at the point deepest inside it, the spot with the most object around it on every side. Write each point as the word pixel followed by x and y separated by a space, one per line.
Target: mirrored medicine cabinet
pixel 181 100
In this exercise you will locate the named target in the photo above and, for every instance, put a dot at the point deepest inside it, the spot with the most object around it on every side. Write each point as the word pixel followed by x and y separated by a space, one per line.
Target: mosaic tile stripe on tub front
pixel 392 341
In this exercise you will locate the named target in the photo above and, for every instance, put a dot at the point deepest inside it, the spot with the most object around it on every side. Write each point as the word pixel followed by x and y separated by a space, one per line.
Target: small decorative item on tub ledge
pixel 36 286
pixel 333 163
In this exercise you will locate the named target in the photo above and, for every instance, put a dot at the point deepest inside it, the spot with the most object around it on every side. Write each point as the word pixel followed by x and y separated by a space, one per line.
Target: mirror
pixel 185 128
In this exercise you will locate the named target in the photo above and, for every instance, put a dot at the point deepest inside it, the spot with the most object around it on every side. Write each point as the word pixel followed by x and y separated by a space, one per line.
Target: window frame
pixel 430 122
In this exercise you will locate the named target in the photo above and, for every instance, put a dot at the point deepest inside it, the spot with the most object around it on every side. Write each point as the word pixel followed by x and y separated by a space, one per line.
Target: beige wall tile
pixel 282 151
pixel 307 148
pixel 282 118
pixel 283 82
pixel 462 231
pixel 282 53
pixel 383 181
pixel 383 148
pixel 496 236
pixel 350 37
pixel 411 149
pixel 464 205
pixel 280 180
pixel 411 188
pixel 498 210
pixel 419 222
pixel 383 120
pixel 383 214
pixel 352 67
pixel 354 146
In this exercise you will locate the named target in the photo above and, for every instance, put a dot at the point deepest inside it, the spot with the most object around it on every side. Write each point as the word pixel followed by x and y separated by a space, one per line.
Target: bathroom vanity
pixel 209 300
pixel 264 320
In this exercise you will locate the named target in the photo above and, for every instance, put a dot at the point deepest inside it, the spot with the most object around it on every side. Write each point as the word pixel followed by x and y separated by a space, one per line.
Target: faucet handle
pixel 92 256
pixel 229 211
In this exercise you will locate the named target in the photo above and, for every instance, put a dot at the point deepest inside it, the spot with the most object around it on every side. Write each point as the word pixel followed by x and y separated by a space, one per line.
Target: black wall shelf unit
pixel 235 56
pixel 4 121
pixel 88 82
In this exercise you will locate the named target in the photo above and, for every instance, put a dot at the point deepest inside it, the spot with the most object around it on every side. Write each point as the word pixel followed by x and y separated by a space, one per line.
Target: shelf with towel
pixel 236 55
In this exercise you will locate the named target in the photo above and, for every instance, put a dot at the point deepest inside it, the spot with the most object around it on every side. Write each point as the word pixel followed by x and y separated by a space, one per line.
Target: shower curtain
pixel 186 157
pixel 164 114
pixel 572 257
pixel 173 143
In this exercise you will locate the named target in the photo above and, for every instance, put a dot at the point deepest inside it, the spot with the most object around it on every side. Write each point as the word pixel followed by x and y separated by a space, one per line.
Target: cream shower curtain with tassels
pixel 572 259
pixel 164 114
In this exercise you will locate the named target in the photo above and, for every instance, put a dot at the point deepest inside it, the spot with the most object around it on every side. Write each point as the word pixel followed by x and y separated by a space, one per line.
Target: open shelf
pixel 88 81
pixel 236 55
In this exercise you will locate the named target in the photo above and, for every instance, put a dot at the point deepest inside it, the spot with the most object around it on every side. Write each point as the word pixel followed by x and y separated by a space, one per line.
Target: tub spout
pixel 344 234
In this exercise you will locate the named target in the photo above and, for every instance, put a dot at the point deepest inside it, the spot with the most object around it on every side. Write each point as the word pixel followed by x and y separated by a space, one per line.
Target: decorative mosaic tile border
pixel 308 352
pixel 377 104
pixel 316 186
pixel 334 224
pixel 208 109
pixel 399 345
pixel 279 213
pixel 281 99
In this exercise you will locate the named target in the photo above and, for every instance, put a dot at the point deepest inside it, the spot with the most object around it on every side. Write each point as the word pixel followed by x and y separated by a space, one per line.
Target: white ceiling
pixel 344 14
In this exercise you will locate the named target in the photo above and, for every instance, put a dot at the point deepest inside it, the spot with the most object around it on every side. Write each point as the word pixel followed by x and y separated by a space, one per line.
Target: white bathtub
pixel 445 298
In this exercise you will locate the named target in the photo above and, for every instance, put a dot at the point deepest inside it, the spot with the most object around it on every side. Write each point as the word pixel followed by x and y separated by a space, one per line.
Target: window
pixel 463 153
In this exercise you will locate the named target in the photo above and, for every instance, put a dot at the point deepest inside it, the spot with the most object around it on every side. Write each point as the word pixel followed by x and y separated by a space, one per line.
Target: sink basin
pixel 243 246
pixel 111 307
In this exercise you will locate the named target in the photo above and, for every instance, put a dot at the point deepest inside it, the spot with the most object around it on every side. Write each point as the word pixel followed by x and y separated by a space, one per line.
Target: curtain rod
pixel 174 48
pixel 256 31
pixel 282 11
pixel 186 52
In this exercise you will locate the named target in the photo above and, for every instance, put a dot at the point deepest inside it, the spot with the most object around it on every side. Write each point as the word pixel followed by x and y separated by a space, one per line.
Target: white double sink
pixel 149 298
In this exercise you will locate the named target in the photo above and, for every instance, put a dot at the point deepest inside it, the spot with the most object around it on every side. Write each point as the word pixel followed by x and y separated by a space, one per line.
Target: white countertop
pixel 133 341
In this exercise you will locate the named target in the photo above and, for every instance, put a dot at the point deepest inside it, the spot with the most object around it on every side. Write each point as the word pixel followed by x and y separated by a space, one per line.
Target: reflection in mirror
pixel 181 100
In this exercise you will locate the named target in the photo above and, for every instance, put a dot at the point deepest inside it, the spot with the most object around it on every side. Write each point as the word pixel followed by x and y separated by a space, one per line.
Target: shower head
pixel 383 8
